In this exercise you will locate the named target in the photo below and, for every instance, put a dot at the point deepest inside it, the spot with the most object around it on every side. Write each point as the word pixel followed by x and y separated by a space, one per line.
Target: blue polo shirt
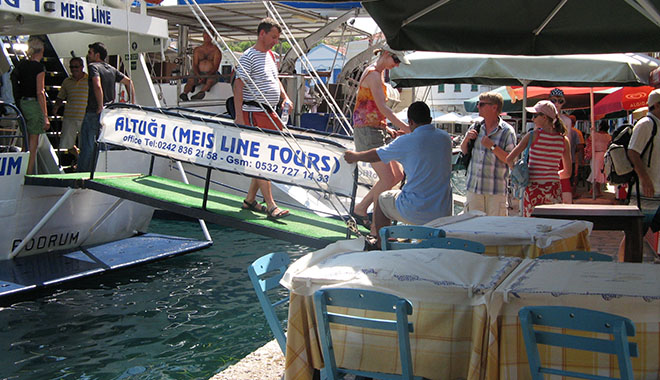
pixel 426 158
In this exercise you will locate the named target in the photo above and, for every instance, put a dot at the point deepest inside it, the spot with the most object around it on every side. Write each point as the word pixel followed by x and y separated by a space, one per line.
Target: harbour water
pixel 184 318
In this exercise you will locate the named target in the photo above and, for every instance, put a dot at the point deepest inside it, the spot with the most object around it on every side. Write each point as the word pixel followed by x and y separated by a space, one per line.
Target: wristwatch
pixel 492 148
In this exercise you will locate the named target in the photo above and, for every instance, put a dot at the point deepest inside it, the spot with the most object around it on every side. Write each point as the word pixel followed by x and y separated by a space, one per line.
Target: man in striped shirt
pixel 74 90
pixel 487 171
pixel 255 107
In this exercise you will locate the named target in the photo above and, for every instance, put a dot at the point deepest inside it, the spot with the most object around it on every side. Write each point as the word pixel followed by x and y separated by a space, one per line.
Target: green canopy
pixel 508 106
pixel 529 27
pixel 430 68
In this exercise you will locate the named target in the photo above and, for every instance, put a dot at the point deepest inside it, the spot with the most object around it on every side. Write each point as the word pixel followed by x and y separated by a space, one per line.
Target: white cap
pixel 399 54
pixel 654 97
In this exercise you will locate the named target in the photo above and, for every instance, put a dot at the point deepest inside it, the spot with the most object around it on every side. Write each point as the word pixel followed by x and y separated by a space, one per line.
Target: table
pixel 631 290
pixel 628 219
pixel 517 236
pixel 449 290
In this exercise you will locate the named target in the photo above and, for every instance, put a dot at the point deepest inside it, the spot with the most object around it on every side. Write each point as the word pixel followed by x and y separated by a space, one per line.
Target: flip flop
pixel 273 215
pixel 253 206
pixel 363 220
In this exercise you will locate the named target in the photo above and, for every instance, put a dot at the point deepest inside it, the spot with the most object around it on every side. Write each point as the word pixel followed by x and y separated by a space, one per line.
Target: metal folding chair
pixel 265 274
pixel 576 319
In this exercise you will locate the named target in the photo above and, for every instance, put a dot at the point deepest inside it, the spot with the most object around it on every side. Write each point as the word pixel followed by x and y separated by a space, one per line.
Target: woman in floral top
pixel 370 127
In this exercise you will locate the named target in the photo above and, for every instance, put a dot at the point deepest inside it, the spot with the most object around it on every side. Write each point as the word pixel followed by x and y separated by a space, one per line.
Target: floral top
pixel 366 113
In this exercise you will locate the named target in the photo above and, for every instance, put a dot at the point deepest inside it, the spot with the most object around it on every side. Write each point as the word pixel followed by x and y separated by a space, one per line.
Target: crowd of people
pixel 414 150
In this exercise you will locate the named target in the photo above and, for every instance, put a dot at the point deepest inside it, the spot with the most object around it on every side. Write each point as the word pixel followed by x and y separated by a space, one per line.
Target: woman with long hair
pixel 549 147
pixel 28 79
pixel 370 127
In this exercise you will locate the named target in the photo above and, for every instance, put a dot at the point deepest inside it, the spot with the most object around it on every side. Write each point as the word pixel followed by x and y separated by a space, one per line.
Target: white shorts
pixel 387 204
pixel 70 130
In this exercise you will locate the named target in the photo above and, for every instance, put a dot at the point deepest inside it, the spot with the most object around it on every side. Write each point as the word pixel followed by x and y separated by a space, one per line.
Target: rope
pixel 208 27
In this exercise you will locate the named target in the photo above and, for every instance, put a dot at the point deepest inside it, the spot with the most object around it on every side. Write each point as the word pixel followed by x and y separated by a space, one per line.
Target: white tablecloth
pixel 511 235
pixel 631 290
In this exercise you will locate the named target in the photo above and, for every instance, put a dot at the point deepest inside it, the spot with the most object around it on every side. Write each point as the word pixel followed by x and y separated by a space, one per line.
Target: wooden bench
pixel 628 219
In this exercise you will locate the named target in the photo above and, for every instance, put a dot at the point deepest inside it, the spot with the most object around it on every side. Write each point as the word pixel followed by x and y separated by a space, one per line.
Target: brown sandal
pixel 277 215
pixel 253 206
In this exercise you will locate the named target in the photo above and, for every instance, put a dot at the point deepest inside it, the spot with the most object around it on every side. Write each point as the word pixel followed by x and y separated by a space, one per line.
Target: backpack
pixel 616 166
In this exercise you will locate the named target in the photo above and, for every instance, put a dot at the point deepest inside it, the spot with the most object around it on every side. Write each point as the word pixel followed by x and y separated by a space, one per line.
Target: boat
pixel 54 235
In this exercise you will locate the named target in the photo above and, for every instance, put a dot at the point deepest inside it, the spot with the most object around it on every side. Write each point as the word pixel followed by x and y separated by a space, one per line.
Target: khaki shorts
pixel 70 130
pixel 492 205
pixel 367 138
pixel 387 204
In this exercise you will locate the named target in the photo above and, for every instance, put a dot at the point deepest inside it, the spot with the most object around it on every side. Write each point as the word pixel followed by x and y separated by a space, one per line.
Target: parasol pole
pixel 524 105
pixel 593 145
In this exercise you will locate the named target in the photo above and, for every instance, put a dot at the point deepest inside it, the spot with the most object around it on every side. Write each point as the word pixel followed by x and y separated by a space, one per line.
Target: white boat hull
pixel 81 219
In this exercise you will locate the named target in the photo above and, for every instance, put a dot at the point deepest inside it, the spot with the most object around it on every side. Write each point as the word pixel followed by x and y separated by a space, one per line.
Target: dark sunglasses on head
pixel 481 104
pixel 396 59
pixel 558 100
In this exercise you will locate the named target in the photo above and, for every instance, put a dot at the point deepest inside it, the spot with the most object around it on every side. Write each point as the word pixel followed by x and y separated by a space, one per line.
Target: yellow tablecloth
pixel 449 290
pixel 631 290
pixel 517 236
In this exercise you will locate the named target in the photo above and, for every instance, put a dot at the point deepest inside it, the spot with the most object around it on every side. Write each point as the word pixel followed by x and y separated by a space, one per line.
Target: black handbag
pixel 463 160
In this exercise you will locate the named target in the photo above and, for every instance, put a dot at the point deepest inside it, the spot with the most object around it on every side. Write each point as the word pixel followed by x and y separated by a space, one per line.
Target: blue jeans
pixel 89 132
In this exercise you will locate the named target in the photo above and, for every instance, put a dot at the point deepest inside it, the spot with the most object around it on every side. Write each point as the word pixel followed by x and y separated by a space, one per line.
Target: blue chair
pixel 265 274
pixel 577 255
pixel 429 238
pixel 406 232
pixel 452 243
pixel 576 319
pixel 364 300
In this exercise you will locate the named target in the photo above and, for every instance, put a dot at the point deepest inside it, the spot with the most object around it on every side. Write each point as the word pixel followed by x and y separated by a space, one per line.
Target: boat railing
pixel 12 128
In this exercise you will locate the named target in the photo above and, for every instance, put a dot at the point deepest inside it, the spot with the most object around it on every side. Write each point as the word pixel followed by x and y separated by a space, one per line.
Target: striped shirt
pixel 487 174
pixel 544 156
pixel 261 67
pixel 75 93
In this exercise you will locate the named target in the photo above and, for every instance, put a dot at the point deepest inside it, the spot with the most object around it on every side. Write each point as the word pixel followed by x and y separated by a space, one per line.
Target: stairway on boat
pixel 50 159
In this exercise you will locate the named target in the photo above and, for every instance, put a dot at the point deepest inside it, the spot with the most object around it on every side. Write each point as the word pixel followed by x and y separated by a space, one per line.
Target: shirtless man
pixel 206 60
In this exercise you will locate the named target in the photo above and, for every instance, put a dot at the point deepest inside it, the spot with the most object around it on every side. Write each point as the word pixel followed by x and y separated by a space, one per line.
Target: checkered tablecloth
pixel 518 236
pixel 631 290
pixel 449 290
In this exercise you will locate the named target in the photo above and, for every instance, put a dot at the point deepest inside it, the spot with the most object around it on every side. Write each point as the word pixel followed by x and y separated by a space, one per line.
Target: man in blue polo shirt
pixel 425 154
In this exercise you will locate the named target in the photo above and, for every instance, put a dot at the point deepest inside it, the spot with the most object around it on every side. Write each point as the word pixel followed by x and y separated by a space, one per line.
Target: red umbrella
pixel 627 98
pixel 576 97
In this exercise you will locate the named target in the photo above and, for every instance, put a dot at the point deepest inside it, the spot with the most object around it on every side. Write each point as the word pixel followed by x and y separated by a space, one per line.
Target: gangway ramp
pixel 299 227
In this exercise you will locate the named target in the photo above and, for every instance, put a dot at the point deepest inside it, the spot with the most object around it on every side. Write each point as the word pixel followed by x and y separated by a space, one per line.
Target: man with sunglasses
pixel 487 172
pixel 558 99
pixel 74 91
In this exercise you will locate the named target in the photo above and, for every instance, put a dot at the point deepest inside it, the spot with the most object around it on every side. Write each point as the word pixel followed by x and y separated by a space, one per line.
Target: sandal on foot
pixel 277 215
pixel 253 206
pixel 362 220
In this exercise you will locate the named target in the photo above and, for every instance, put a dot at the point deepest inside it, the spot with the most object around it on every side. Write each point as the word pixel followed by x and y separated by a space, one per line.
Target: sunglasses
pixel 558 100
pixel 396 59
pixel 481 104
pixel 74 67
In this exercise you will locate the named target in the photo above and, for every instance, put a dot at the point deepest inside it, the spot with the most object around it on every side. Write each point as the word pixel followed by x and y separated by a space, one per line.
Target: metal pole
pixel 593 145
pixel 202 223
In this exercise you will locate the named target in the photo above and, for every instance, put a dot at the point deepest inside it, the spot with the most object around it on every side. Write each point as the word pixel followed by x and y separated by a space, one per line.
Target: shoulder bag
pixel 520 172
